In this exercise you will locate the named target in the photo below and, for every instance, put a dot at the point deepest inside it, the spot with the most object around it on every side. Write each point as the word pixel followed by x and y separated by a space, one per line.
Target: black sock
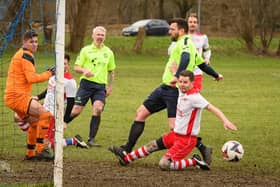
pixel 136 130
pixel 68 119
pixel 94 126
pixel 199 144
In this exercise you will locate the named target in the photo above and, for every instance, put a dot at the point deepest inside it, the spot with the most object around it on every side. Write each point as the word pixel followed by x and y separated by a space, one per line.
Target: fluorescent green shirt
pixel 98 61
pixel 183 44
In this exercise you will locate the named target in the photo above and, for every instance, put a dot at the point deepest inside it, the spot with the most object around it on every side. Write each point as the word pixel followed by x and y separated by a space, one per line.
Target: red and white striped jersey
pixel 201 43
pixel 189 109
pixel 70 87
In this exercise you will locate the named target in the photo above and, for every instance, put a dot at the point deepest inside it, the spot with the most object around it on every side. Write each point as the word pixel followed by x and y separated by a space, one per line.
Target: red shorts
pixel 197 83
pixel 179 146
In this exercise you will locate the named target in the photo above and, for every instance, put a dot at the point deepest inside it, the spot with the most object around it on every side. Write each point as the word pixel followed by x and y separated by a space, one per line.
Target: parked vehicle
pixel 153 27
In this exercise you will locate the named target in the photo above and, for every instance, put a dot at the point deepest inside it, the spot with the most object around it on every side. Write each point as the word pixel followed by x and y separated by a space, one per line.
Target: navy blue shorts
pixel 163 97
pixel 91 90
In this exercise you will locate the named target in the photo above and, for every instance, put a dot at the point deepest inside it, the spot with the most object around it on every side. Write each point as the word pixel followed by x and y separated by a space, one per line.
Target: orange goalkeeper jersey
pixel 22 74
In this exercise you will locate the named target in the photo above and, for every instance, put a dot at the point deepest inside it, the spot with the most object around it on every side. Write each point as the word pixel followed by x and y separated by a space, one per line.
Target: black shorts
pixel 91 90
pixel 163 97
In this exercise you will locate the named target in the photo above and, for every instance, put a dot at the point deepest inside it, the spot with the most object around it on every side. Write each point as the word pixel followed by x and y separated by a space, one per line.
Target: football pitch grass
pixel 248 96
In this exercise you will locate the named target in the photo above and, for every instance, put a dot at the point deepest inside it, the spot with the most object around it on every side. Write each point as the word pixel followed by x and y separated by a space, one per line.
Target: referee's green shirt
pixel 98 61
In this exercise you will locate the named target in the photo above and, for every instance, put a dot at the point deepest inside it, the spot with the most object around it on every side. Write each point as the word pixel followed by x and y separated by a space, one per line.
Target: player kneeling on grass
pixel 182 140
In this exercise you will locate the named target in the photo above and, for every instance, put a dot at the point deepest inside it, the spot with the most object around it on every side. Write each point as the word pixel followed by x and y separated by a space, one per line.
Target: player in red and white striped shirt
pixel 182 140
pixel 200 41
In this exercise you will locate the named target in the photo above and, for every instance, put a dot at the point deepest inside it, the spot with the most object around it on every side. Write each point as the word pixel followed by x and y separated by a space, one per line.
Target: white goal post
pixel 59 89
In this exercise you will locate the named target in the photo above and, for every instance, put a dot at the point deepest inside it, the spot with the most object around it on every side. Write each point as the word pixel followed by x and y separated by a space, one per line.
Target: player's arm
pixel 79 64
pixel 109 87
pixel 111 74
pixel 184 62
pixel 227 124
pixel 69 106
pixel 42 95
pixel 84 71
pixel 31 76
pixel 206 50
pixel 210 71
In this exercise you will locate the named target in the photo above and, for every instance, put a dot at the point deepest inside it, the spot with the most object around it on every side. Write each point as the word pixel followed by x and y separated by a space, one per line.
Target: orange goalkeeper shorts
pixel 19 104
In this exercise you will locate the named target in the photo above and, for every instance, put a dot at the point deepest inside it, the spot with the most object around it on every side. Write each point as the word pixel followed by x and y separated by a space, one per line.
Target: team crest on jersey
pixel 78 100
pixel 105 55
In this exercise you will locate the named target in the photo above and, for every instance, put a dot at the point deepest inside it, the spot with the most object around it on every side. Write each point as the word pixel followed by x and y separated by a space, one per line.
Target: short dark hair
pixel 187 73
pixel 181 23
pixel 29 34
pixel 67 57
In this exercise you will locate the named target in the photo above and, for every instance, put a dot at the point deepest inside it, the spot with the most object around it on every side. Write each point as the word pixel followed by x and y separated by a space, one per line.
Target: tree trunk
pixel 145 8
pixel 246 27
pixel 260 16
pixel 123 6
pixel 78 17
pixel 278 50
pixel 48 20
pixel 184 6
pixel 139 40
pixel 161 9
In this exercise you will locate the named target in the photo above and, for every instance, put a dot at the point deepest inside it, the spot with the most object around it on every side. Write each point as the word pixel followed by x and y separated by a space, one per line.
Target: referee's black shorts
pixel 90 90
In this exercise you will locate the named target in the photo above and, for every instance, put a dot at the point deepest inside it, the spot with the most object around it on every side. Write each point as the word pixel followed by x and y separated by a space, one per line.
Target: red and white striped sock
pixel 136 154
pixel 182 164
pixel 23 125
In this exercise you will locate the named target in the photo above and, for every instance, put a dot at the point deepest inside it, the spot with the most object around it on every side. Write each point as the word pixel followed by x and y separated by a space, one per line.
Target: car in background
pixel 153 27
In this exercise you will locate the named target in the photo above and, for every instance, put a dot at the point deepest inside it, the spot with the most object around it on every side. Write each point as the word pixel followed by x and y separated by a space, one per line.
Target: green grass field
pixel 248 95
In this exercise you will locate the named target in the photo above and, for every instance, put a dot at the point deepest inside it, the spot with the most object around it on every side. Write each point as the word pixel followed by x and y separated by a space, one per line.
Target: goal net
pixel 47 18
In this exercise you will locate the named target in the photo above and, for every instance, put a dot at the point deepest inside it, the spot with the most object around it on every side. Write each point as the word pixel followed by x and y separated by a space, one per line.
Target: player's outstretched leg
pixel 200 163
pixel 141 152
pixel 135 132
pixel 166 163
pixel 120 153
pixel 205 151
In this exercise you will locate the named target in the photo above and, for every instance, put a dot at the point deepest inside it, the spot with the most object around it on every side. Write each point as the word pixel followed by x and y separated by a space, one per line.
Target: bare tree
pixel 137 47
pixel 257 16
pixel 77 18
pixel 145 8
pixel 48 19
pixel 123 14
pixel 184 6
pixel 278 49
pixel 267 19
pixel 161 8
pixel 246 24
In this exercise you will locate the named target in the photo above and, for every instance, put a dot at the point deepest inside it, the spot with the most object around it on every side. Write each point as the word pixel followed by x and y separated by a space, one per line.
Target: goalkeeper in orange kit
pixel 17 96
